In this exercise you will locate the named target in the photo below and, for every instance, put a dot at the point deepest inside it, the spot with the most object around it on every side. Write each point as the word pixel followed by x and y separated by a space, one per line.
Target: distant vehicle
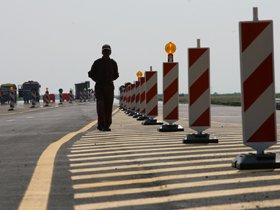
pixel 25 91
pixel 4 92
pixel 82 90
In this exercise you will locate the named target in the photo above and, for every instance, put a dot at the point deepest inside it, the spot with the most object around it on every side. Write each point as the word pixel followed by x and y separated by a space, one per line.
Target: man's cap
pixel 106 47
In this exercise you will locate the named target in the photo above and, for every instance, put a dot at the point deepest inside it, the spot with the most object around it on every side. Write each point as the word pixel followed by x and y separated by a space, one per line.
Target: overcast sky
pixel 56 41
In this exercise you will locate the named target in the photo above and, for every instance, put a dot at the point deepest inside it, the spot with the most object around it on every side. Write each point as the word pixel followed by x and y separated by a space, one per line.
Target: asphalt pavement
pixel 131 167
pixel 137 167
pixel 25 134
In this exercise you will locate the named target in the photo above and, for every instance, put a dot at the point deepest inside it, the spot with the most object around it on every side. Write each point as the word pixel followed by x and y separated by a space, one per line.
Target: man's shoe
pixel 106 129
pixel 99 128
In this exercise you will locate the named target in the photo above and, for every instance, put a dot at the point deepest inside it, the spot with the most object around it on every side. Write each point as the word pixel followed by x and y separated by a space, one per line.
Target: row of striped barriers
pixel 139 99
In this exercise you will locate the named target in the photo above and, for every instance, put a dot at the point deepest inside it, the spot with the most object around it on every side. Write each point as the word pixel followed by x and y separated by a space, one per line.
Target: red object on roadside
pixel 52 97
pixel 65 96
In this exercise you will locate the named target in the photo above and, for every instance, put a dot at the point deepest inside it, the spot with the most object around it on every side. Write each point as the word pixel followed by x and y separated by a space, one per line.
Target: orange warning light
pixel 170 48
pixel 139 74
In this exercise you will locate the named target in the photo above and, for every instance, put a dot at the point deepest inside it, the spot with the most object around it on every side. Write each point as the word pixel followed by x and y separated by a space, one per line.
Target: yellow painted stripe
pixel 37 194
pixel 150 147
pixel 166 178
pixel 152 171
pixel 96 142
pixel 153 179
pixel 178 197
pixel 96 149
pixel 100 140
pixel 137 165
pixel 201 183
pixel 162 158
pixel 146 156
pixel 153 152
pixel 101 146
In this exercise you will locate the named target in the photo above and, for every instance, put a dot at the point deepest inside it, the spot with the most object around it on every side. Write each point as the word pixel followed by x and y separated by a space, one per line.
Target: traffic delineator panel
pixel 170 92
pixel 199 95
pixel 151 98
pixel 128 99
pixel 199 88
pixel 170 98
pixel 151 94
pixel 137 97
pixel 257 78
pixel 47 98
pixel 258 94
pixel 12 98
pixel 33 98
pixel 133 104
pixel 142 82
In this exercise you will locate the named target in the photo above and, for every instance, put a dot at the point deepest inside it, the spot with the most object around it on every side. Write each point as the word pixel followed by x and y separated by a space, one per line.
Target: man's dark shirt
pixel 104 71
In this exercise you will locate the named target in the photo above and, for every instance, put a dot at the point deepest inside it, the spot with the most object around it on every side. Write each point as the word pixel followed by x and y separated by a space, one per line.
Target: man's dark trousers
pixel 104 97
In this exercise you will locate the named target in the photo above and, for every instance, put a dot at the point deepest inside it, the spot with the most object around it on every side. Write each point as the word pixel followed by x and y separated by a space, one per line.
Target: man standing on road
pixel 104 71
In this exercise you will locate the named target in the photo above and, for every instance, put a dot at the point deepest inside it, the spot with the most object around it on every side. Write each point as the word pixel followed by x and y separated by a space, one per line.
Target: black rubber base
pixel 255 161
pixel 199 139
pixel 170 128
pixel 131 114
pixel 136 115
pixel 127 112
pixel 142 117
pixel 151 121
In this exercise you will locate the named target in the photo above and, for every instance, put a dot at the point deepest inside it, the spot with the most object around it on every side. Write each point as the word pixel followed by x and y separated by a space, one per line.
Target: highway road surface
pixel 23 138
pixel 46 164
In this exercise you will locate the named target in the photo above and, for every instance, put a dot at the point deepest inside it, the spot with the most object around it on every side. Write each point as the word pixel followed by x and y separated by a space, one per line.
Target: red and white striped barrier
pixel 12 100
pixel 125 98
pixel 142 88
pixel 128 99
pixel 71 96
pixel 151 98
pixel 137 98
pixel 199 94
pixel 47 98
pixel 121 101
pixel 151 94
pixel 258 92
pixel 132 99
pixel 199 91
pixel 60 96
pixel 170 97
pixel 33 99
pixel 170 92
